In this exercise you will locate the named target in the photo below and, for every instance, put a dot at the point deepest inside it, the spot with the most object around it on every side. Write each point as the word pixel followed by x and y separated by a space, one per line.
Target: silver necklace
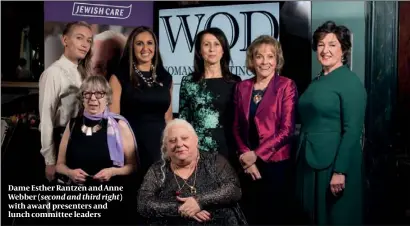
pixel 90 130
pixel 148 80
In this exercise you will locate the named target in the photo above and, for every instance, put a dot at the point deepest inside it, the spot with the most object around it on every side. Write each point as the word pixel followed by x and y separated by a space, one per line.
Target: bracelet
pixel 248 167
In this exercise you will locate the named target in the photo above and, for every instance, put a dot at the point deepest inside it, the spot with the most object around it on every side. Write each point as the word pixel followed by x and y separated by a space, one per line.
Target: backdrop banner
pixel 111 24
pixel 241 24
pixel 101 12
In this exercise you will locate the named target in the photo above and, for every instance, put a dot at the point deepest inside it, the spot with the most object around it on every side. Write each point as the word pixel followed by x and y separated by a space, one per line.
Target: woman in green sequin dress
pixel 206 95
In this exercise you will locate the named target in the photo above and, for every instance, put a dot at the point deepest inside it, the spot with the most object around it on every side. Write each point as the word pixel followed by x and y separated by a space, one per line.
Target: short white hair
pixel 172 123
pixel 165 134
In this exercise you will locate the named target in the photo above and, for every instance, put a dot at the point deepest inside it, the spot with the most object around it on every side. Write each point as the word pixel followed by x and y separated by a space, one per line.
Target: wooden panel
pixel 381 84
pixel 404 76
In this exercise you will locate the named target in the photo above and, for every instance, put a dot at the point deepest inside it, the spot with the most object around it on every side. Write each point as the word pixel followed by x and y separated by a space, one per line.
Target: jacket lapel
pixel 269 96
pixel 246 97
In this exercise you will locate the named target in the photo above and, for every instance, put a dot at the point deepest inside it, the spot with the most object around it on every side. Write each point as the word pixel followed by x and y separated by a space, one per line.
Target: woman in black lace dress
pixel 188 187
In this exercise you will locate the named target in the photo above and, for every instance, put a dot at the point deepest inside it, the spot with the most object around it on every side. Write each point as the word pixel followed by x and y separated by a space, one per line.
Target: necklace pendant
pixel 193 189
pixel 257 98
pixel 89 131
pixel 177 193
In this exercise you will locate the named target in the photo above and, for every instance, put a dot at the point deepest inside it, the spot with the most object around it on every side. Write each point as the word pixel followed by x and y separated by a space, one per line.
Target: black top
pixel 144 103
pixel 208 106
pixel 253 131
pixel 144 107
pixel 217 189
pixel 89 153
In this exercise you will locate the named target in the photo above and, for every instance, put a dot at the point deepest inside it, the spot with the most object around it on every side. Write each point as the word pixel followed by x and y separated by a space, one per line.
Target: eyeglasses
pixel 98 95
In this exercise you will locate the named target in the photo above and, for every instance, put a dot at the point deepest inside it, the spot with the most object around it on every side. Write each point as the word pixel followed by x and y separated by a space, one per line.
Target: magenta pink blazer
pixel 274 118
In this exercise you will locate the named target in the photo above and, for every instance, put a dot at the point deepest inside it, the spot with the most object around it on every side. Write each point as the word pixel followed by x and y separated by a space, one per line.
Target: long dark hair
pixel 128 57
pixel 84 64
pixel 199 64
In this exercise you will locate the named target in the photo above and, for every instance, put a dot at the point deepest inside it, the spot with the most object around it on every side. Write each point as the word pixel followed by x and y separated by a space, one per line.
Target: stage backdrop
pixel 241 23
pixel 111 23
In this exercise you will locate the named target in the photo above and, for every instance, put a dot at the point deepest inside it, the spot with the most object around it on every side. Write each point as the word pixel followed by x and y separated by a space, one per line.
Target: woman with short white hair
pixel 189 187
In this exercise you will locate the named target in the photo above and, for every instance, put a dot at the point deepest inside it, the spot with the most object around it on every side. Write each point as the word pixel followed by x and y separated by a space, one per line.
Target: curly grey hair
pixel 165 135
pixel 96 83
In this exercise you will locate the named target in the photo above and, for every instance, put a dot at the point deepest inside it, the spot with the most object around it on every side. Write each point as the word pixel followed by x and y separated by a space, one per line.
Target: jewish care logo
pixel 101 10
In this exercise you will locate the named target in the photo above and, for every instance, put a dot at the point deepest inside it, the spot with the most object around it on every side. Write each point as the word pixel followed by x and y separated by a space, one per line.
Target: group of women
pixel 228 159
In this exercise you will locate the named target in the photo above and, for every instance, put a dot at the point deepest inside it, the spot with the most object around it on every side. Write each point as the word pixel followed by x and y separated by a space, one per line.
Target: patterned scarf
pixel 114 140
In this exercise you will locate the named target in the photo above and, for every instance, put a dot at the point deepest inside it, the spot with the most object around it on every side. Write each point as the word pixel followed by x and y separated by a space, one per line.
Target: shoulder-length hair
pixel 268 40
pixel 84 65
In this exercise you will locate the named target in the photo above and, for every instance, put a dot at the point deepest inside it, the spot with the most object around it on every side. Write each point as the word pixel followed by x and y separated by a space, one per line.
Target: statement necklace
pixel 148 80
pixel 90 130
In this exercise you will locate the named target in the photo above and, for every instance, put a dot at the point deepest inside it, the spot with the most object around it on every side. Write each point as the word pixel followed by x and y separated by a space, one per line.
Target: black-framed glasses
pixel 98 95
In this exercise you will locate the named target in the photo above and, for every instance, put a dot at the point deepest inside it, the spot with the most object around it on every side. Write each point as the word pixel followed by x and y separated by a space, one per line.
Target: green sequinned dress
pixel 208 106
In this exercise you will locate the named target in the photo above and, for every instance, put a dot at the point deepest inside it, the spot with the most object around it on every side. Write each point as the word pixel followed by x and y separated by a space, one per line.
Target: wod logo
pixel 271 28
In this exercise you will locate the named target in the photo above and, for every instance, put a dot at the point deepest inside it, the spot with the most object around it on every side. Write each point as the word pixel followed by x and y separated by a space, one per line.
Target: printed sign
pixel 241 23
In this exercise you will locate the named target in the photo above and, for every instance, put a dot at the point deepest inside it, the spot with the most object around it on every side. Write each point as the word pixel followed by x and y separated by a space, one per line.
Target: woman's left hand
pixel 190 206
pixel 337 183
pixel 248 159
pixel 104 175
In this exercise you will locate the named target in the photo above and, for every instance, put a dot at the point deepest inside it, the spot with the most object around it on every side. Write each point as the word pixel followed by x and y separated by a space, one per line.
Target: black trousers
pixel 265 201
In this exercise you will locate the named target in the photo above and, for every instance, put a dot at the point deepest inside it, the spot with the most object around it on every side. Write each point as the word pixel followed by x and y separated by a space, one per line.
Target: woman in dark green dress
pixel 329 158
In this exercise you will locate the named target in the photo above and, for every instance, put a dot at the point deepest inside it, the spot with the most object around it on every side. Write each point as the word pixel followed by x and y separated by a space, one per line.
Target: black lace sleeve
pixel 149 204
pixel 228 191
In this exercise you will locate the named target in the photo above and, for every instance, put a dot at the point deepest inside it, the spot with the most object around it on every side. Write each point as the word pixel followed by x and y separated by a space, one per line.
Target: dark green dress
pixel 332 112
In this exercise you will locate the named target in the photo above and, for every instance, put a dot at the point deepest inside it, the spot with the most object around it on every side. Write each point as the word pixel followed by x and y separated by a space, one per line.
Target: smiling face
pixel 181 144
pixel 144 47
pixel 329 51
pixel 264 60
pixel 77 42
pixel 211 49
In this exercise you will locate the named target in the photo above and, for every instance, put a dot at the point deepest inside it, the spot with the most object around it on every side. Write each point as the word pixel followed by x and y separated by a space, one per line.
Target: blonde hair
pixel 277 50
pixel 84 64
pixel 96 83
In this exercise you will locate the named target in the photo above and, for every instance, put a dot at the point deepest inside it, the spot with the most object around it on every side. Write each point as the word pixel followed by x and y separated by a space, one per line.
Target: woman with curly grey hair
pixel 98 147
pixel 189 187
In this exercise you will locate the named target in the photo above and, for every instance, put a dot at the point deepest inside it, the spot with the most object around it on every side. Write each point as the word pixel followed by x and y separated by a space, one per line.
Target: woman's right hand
pixel 254 172
pixel 202 216
pixel 77 175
